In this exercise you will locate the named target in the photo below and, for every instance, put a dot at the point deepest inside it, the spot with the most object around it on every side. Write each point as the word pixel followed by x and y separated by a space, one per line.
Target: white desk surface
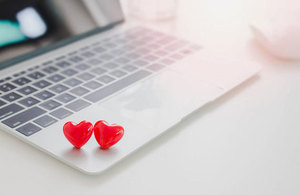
pixel 247 142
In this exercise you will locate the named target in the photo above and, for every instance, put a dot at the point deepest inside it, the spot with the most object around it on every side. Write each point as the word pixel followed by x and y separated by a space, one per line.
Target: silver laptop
pixel 75 67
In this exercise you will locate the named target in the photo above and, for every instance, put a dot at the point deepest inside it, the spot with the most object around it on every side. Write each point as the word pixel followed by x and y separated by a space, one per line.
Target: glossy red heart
pixel 107 135
pixel 78 134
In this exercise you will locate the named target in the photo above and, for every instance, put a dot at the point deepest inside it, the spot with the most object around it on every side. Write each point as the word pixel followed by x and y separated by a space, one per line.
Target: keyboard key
pixel 140 63
pixel 50 69
pixel 75 59
pixel 137 43
pixel 167 61
pixel 28 102
pixel 58 88
pixel 99 49
pixel 114 87
pixel 42 84
pixel 36 75
pixel 94 62
pixel 69 72
pixel 118 73
pixel 84 48
pixel 27 90
pixel 98 71
pixel 147 38
pixel 110 45
pixel 85 76
pixel 44 95
pixel 130 46
pixel 28 129
pixel 122 60
pixel 166 40
pixel 50 105
pixel 143 51
pixel 60 58
pixel 16 74
pixel 121 40
pixel 23 72
pixel 161 53
pixel 2 103
pixel 56 78
pixel 72 53
pixel 7 87
pixel 118 51
pixel 63 64
pixel 78 105
pixel 155 67
pixel 105 79
pixel 129 68
pixel 21 81
pixel 82 67
pixel 176 45
pixel 133 55
pixel 45 121
pixel 72 82
pixel 153 47
pixel 9 110
pixel 110 65
pixel 92 85
pixel 151 57
pixel 186 51
pixel 47 62
pixel 65 98
pixel 177 56
pixel 11 97
pixel 23 117
pixel 79 91
pixel 87 54
pixel 61 113
pixel 96 43
pixel 106 57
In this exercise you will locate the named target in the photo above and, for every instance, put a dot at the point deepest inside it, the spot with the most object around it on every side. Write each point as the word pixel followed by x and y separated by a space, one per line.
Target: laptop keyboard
pixel 37 98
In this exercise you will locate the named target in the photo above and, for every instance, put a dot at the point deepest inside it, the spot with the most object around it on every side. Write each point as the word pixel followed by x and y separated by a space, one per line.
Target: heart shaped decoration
pixel 78 134
pixel 107 135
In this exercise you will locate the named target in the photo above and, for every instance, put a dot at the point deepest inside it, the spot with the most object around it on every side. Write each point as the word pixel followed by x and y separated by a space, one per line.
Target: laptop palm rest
pixel 145 110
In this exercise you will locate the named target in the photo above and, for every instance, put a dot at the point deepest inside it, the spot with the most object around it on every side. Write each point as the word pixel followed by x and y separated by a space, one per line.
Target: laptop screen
pixel 28 25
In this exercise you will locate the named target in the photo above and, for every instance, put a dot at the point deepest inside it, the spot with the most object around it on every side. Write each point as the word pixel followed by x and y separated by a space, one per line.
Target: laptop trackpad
pixel 161 101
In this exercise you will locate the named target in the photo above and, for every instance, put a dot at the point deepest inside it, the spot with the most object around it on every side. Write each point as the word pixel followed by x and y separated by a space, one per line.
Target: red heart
pixel 107 135
pixel 78 134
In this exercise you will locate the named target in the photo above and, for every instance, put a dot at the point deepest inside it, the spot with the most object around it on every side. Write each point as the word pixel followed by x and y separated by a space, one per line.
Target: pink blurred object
pixel 280 33
pixel 153 9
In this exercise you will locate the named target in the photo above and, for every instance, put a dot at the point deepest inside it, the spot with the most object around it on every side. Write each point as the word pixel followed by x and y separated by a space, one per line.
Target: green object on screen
pixel 10 33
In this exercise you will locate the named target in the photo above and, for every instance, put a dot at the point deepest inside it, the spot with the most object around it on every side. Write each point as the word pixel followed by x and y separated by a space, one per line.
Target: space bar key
pixel 114 87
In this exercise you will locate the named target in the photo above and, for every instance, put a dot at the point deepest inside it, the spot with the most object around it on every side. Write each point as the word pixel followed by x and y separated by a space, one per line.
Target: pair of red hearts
pixel 105 134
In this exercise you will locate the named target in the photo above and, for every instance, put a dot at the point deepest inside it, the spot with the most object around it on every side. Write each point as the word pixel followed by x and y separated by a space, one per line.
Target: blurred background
pixel 26 25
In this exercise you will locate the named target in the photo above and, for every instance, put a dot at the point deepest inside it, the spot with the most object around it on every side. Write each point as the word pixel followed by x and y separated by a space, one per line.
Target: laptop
pixel 101 69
